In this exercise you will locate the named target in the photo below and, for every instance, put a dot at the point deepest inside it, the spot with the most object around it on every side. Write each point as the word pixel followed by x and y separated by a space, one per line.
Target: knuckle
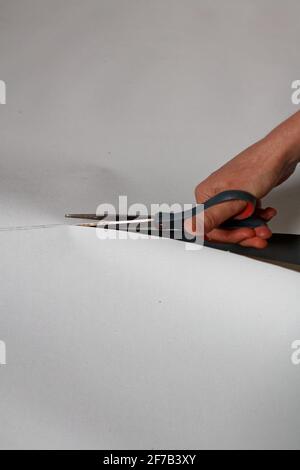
pixel 209 221
pixel 197 192
pixel 200 194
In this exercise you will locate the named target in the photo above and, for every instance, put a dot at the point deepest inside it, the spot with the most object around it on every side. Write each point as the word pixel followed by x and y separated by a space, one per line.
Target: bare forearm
pixel 284 140
pixel 272 159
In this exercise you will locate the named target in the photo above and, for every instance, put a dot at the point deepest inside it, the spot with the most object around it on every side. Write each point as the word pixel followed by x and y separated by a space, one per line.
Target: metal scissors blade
pixel 105 219
pixel 122 217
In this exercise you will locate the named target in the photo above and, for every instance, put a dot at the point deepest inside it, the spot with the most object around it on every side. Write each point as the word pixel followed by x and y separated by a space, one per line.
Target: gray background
pixel 140 344
pixel 137 97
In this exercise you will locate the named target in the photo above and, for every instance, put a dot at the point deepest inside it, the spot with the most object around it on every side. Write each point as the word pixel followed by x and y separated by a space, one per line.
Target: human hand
pixel 256 170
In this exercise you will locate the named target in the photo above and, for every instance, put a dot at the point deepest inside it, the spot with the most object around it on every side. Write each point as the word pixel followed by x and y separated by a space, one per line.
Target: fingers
pixel 240 235
pixel 215 216
pixel 255 242
pixel 230 236
pixel 256 238
pixel 266 214
pixel 263 233
pixel 248 237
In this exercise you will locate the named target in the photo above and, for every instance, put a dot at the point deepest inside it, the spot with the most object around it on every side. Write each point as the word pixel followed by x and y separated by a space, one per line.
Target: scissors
pixel 282 249
pixel 172 221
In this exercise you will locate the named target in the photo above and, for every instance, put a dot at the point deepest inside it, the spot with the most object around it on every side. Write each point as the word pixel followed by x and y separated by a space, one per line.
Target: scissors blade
pixel 145 220
pixel 102 216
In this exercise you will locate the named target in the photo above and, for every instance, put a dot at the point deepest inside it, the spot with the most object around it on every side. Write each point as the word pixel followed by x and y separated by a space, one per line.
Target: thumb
pixel 214 216
pixel 217 215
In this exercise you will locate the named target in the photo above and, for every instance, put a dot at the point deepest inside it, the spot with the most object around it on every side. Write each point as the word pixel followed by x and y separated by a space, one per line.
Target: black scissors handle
pixel 248 220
